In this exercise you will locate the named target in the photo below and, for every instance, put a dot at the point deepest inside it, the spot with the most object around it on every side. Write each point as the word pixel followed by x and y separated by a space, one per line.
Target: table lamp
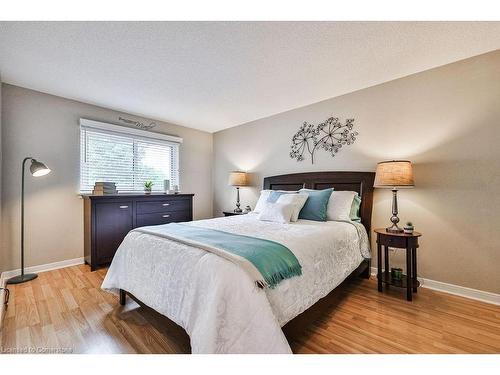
pixel 393 175
pixel 238 179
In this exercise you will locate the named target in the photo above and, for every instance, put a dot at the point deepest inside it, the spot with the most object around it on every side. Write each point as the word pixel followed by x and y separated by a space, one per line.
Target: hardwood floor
pixel 66 311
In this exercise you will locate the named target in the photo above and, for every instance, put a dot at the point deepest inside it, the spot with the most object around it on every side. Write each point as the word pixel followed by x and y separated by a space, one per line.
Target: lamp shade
pixel 395 173
pixel 38 169
pixel 238 178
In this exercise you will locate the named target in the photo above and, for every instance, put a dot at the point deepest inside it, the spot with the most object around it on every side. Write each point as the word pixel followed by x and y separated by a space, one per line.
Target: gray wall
pixel 46 127
pixel 446 120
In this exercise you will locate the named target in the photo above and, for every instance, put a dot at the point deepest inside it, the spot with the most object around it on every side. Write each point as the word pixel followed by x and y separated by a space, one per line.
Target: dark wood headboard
pixel 360 182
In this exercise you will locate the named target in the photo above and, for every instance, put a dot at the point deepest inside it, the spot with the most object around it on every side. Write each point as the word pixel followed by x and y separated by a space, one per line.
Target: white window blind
pixel 127 157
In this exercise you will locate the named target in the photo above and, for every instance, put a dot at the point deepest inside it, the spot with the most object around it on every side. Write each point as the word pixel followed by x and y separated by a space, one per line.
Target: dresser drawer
pixel 163 206
pixel 161 218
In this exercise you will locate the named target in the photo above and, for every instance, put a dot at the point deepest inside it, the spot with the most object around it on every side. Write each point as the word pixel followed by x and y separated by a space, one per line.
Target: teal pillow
pixel 356 204
pixel 315 207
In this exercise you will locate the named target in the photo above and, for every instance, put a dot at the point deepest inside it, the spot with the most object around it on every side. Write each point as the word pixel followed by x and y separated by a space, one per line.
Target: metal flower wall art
pixel 330 136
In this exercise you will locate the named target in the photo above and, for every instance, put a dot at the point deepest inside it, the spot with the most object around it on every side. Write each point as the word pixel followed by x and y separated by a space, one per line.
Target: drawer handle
pixel 166 216
pixel 123 206
pixel 166 204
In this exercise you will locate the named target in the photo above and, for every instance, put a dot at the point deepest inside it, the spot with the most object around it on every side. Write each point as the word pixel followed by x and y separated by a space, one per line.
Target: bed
pixel 218 304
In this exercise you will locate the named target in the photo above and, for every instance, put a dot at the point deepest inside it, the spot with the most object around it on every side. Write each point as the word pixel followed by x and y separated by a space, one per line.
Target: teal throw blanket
pixel 273 261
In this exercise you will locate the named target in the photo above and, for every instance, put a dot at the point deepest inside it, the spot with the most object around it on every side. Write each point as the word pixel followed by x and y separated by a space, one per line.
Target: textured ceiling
pixel 214 75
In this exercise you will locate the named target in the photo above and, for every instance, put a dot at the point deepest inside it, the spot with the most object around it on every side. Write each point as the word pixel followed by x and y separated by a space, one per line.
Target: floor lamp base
pixel 22 278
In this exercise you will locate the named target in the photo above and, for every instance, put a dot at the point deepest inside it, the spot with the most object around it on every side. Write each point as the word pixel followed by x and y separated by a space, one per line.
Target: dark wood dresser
pixel 108 219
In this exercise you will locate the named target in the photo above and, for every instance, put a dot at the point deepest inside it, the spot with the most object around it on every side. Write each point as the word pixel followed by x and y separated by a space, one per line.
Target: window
pixel 126 156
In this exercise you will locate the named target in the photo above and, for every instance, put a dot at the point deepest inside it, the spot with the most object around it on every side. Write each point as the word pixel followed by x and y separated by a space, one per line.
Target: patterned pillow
pixel 340 205
pixel 298 200
pixel 261 203
pixel 277 212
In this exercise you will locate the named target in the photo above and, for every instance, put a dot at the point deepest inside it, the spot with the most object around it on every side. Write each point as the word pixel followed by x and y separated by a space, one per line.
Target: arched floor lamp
pixel 37 169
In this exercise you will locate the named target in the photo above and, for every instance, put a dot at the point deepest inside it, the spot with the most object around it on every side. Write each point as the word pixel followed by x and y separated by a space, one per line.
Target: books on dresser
pixel 104 188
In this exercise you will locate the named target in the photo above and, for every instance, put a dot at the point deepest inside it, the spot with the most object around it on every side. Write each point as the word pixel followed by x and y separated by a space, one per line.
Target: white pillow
pixel 261 203
pixel 297 200
pixel 277 212
pixel 339 205
pixel 264 196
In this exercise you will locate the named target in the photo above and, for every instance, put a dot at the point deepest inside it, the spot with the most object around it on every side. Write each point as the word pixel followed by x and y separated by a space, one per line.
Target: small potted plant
pixel 408 228
pixel 148 185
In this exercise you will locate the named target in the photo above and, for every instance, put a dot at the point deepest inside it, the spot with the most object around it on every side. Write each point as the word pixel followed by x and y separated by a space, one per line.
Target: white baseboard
pixel 43 267
pixel 457 290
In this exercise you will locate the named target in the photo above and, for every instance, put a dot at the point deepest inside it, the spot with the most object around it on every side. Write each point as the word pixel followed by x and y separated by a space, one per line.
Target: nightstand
pixel 232 213
pixel 409 242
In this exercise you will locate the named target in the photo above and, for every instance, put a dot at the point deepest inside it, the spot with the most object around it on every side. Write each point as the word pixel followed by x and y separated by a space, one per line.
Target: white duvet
pixel 216 302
